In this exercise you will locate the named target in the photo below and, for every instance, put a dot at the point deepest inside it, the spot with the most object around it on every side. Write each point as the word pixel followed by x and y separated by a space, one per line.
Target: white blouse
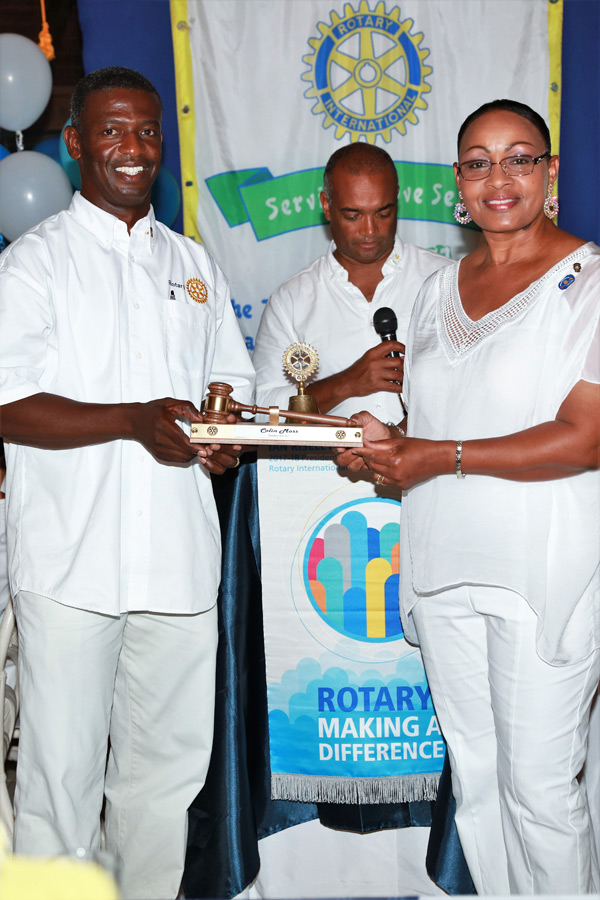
pixel 507 372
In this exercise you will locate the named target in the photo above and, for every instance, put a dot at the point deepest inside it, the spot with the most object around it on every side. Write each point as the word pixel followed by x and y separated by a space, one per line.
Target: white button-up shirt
pixel 90 312
pixel 322 307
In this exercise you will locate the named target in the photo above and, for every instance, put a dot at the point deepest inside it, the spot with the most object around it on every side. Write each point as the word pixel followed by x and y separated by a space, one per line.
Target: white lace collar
pixel 460 335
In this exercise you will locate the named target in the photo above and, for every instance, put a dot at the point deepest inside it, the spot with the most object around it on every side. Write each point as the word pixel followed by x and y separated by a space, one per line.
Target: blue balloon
pixel 50 147
pixel 25 82
pixel 3 152
pixel 71 166
pixel 166 197
pixel 32 187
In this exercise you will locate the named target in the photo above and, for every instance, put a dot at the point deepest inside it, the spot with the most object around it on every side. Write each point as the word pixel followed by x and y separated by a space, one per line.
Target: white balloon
pixel 32 187
pixel 25 82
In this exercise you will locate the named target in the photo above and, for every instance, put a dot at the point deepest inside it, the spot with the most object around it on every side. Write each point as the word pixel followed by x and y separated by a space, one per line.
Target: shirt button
pixel 136 305
pixel 138 513
pixel 138 355
pixel 132 258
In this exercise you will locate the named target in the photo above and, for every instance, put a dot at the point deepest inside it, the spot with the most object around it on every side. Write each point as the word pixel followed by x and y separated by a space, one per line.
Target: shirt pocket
pixel 186 337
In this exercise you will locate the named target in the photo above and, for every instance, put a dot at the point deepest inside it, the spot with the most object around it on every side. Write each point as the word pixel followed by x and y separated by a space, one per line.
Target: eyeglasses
pixel 477 169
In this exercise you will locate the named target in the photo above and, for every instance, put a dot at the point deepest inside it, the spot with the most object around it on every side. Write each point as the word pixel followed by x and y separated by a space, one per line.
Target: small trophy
pixel 305 424
pixel 301 361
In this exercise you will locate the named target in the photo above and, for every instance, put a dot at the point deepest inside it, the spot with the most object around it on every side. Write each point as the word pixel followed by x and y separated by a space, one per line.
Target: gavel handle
pixel 317 418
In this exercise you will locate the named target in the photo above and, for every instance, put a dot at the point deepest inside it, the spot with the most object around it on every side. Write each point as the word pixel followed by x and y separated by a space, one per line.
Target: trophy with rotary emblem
pixel 304 423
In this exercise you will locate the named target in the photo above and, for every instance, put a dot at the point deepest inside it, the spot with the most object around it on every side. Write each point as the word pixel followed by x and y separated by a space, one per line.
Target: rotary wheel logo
pixel 197 290
pixel 367 73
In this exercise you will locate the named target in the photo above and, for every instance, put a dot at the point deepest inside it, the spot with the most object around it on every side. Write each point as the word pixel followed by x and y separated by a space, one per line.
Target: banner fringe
pixel 332 789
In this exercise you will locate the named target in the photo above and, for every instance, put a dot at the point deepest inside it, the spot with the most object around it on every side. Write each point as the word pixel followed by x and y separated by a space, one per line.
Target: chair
pixel 9 704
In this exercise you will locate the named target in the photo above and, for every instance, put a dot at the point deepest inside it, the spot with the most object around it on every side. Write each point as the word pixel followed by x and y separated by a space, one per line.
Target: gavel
pixel 218 404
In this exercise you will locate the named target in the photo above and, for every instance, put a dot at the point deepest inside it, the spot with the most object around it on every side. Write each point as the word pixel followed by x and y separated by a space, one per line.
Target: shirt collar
pixel 108 229
pixel 396 258
pixel 394 261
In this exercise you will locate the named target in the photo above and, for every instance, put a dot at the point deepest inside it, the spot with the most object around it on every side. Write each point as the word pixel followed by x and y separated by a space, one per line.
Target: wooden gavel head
pixel 218 403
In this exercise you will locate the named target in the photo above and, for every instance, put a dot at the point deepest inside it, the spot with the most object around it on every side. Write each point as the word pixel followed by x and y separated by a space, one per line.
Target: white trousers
pixel 147 682
pixel 516 729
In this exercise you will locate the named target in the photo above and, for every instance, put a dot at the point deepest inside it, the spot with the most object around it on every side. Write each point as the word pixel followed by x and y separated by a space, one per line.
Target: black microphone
pixel 385 324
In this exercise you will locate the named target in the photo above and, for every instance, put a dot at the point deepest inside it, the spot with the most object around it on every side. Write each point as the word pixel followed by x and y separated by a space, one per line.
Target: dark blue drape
pixel 579 177
pixel 234 809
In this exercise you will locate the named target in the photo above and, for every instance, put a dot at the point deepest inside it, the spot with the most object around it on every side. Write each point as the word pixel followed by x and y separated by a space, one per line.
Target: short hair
pixel 513 106
pixel 107 79
pixel 357 158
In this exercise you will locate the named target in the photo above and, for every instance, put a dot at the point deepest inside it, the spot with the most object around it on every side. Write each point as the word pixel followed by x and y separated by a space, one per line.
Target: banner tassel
pixel 332 789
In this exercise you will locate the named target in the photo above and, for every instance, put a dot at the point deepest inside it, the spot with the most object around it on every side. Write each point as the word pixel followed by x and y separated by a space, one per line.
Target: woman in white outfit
pixel 500 519
pixel 4 591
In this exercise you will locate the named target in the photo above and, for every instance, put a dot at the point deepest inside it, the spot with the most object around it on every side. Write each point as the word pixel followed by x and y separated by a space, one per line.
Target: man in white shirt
pixel 330 304
pixel 106 316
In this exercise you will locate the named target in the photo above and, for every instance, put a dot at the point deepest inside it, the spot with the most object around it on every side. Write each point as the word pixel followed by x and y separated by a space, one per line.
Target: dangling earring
pixel 461 214
pixel 550 204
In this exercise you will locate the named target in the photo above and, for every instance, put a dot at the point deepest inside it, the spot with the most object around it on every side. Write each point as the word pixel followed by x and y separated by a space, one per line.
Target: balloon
pixel 25 82
pixel 32 187
pixel 166 197
pixel 49 147
pixel 71 166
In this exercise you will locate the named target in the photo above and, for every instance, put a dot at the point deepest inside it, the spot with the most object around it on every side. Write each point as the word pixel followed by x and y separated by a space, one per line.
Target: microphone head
pixel 385 321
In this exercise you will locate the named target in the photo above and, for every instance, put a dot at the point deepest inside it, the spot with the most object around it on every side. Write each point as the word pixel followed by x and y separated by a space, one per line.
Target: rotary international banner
pixel 268 89
pixel 350 713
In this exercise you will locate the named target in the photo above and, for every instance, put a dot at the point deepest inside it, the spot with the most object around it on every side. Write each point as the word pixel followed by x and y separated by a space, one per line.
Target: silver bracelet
pixel 400 431
pixel 459 471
